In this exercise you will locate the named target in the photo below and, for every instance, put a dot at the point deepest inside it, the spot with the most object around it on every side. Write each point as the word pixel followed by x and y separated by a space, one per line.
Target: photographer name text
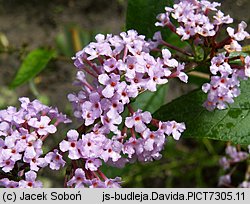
pixel 43 196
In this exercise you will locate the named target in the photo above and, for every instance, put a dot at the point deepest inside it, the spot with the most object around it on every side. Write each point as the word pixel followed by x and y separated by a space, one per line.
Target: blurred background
pixel 67 26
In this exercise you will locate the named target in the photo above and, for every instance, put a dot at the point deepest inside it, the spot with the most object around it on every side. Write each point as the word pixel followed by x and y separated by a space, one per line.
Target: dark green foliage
pixel 231 124
pixel 141 16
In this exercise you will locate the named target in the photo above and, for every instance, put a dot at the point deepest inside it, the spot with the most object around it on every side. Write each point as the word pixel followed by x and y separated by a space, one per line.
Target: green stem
pixel 33 88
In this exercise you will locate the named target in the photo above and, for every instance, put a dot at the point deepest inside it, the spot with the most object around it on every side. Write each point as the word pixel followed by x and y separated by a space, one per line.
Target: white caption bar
pixel 125 195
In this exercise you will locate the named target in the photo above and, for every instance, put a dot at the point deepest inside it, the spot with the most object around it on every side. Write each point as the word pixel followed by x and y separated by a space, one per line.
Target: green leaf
pixel 232 124
pixel 197 80
pixel 151 101
pixel 33 64
pixel 141 16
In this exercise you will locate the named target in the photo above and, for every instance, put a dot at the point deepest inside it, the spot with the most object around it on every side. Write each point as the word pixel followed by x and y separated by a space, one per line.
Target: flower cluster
pixel 80 180
pixel 29 182
pixel 201 22
pixel 22 133
pixel 225 86
pixel 119 68
pixel 233 157
pixel 194 18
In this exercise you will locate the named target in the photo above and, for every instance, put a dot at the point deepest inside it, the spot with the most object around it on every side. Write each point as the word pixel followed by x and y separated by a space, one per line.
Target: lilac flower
pixel 102 47
pixel 96 183
pixel 31 106
pixel 139 81
pixel 218 64
pixel 43 127
pixel 156 41
pixel 220 92
pixel 25 140
pixel 229 163
pixel 236 156
pixel 225 163
pixel 240 34
pixel 71 144
pixel 180 74
pixel 166 54
pixel 157 78
pixel 112 150
pixel 125 92
pixel 245 184
pixel 7 165
pixel 224 88
pixel 25 126
pixel 134 42
pixel 33 148
pixel 78 180
pixel 91 110
pixel 234 46
pixel 111 123
pixel 132 67
pixel 91 145
pixel 111 84
pixel 192 17
pixel 133 146
pixel 54 114
pixel 77 101
pixel 114 107
pixel 55 160
pixel 153 140
pixel 247 66
pixel 206 5
pixel 8 114
pixel 30 181
pixel 185 32
pixel 4 128
pixel 5 182
pixel 225 180
pixel 138 120
pixel 163 18
pixel 93 164
pixel 11 153
pixel 110 64
pixel 220 18
pixel 113 183
pixel 36 162
pixel 172 128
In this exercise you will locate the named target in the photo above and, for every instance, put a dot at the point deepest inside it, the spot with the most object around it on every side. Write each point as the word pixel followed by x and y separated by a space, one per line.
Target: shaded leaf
pixel 33 64
pixel 151 101
pixel 141 16
pixel 232 124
